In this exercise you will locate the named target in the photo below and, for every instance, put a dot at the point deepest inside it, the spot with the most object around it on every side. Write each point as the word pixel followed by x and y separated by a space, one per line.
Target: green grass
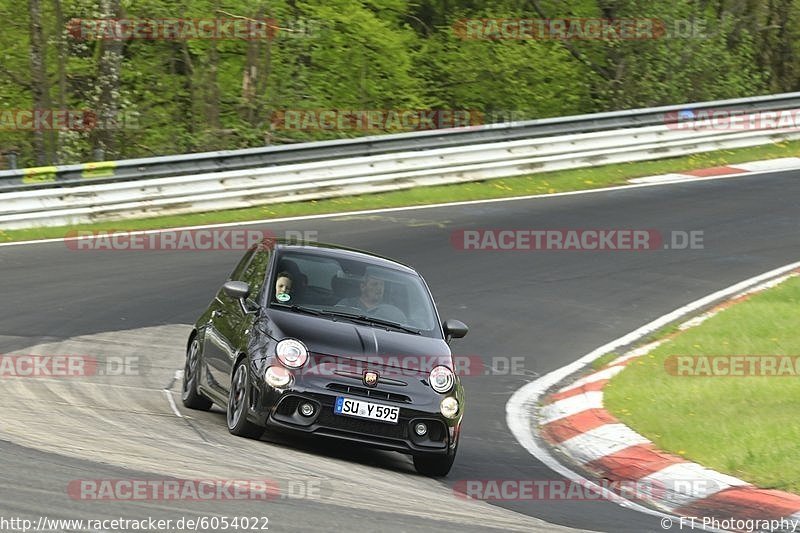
pixel 567 180
pixel 603 360
pixel 662 332
pixel 744 426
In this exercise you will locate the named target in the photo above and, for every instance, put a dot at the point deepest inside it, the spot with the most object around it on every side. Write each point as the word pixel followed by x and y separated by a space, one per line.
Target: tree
pixel 108 82
pixel 40 86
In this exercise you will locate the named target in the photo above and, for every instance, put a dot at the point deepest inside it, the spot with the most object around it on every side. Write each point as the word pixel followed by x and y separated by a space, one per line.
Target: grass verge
pixel 744 426
pixel 550 182
pixel 603 360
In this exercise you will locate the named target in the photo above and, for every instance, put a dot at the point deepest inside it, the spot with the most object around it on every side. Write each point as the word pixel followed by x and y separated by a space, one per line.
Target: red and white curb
pixel 572 423
pixel 769 165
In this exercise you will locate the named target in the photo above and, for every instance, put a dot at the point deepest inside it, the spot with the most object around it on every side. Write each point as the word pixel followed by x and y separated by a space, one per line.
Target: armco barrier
pixel 121 199
pixel 207 162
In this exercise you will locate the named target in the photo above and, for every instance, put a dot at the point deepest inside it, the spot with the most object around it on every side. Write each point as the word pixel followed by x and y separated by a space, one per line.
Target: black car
pixel 330 341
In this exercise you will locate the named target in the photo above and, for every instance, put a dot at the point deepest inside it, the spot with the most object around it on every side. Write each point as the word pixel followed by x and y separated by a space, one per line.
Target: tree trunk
pixel 251 77
pixel 212 85
pixel 39 85
pixel 108 81
pixel 212 88
pixel 61 44
pixel 783 61
pixel 188 82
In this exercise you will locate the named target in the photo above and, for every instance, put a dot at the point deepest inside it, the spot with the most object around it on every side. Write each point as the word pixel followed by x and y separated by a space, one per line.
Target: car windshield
pixel 354 290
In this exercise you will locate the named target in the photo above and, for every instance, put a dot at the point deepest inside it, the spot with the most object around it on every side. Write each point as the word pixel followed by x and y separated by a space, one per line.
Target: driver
pixel 371 301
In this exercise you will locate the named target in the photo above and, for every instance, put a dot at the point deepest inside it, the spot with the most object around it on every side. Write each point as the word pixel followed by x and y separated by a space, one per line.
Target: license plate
pixel 361 409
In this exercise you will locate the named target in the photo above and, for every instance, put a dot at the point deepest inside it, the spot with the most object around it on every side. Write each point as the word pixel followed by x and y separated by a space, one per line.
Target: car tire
pixel 433 465
pixel 238 401
pixel 189 393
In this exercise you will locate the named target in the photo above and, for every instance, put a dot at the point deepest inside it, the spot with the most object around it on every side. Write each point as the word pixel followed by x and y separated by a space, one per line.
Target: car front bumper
pixel 279 408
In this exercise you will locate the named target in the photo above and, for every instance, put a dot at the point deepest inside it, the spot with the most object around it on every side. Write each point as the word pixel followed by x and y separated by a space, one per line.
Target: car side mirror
pixel 454 329
pixel 239 290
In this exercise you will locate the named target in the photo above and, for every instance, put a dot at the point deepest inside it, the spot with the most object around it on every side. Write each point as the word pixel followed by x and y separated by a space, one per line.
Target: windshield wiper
pixel 300 309
pixel 372 320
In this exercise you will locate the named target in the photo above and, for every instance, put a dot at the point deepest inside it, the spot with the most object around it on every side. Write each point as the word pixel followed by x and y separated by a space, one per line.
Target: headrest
pixel 346 287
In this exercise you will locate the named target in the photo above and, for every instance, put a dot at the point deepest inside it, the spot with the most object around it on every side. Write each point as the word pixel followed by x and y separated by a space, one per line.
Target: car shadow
pixel 352 452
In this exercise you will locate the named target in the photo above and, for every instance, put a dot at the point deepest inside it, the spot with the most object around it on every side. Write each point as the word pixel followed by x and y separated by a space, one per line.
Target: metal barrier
pixel 119 199
pixel 201 163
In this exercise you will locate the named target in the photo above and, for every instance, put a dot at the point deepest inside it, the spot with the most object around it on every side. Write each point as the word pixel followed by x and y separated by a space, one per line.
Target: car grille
pixel 369 393
pixel 380 429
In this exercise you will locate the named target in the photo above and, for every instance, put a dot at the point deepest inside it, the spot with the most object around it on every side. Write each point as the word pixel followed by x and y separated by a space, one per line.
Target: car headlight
pixel 442 379
pixel 449 407
pixel 278 377
pixel 292 353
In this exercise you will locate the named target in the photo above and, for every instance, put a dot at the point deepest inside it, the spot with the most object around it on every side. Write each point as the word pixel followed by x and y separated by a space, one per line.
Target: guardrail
pixel 361 175
pixel 201 163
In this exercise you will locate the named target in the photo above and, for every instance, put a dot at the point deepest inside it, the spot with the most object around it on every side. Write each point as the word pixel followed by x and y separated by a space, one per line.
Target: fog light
pixel 278 377
pixel 421 429
pixel 449 407
pixel 306 409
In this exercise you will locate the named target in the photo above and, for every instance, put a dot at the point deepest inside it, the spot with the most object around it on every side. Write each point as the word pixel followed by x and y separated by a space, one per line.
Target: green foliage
pixel 195 95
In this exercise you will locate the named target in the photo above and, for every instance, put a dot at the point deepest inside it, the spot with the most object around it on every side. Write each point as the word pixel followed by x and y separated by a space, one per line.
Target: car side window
pixel 256 272
pixel 237 273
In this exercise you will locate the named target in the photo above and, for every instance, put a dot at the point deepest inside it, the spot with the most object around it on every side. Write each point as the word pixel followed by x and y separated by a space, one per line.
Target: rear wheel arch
pixel 190 395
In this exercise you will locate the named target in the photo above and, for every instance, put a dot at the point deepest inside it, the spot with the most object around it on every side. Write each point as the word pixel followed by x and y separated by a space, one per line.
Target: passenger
pixel 283 286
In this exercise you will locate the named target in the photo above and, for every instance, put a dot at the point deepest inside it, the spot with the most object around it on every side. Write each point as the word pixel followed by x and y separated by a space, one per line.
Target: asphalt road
pixel 540 309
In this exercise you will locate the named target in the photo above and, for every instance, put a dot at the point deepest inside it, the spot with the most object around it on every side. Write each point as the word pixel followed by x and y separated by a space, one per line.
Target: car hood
pixel 345 339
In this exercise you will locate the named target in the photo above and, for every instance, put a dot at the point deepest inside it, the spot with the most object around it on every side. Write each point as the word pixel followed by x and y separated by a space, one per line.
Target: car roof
pixel 332 250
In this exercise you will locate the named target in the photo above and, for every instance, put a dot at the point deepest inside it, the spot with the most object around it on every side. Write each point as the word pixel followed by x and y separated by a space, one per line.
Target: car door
pixel 233 325
pixel 216 344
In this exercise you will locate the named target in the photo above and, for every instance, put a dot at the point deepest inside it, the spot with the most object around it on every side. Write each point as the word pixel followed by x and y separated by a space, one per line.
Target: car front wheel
pixel 238 400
